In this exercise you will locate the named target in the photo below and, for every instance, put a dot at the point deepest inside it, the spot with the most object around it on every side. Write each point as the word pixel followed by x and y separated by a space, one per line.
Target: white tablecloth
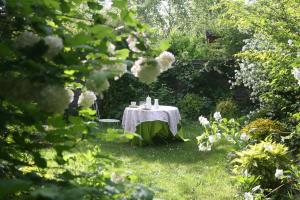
pixel 132 117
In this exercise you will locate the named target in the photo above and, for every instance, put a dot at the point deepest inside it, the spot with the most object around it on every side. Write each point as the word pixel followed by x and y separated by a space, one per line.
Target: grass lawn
pixel 178 170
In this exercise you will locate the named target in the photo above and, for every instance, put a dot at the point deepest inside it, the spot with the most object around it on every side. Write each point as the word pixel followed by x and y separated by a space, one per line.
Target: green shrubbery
pixel 192 106
pixel 260 129
pixel 228 108
pixel 261 160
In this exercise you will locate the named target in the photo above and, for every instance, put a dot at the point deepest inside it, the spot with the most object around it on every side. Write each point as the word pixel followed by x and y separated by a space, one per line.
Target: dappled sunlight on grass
pixel 177 170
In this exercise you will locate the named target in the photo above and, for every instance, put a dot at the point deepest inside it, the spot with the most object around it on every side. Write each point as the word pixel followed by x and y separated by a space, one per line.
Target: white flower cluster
pixel 29 39
pixel 248 196
pixel 97 82
pixel 87 99
pixel 279 173
pixel 217 116
pixel 54 99
pixel 132 42
pixel 70 94
pixel 117 69
pixel 111 48
pixel 203 121
pixel 296 73
pixel 244 137
pixel 204 147
pixel 148 70
pixel 55 45
pixel 254 75
pixel 26 39
pixel 165 60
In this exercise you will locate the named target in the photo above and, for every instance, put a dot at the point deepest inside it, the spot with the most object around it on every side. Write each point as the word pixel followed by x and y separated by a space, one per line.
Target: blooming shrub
pixel 261 128
pixel 228 108
pixel 192 105
pixel 219 128
pixel 267 165
pixel 87 99
pixel 147 70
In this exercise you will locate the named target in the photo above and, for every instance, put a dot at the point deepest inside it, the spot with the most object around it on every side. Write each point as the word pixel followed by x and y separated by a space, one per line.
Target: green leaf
pixel 87 112
pixel 79 39
pixel 56 121
pixel 122 54
pixel 164 45
pixel 94 5
pixel 121 4
pixel 101 31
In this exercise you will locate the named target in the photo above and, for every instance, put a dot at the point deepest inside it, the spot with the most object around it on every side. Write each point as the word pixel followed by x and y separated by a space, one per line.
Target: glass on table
pixel 141 103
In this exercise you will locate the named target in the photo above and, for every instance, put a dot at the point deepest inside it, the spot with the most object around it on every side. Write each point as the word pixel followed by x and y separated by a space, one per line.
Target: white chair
pixel 112 121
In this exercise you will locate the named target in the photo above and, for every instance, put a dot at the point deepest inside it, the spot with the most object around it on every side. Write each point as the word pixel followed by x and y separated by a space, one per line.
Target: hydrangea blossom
pixel 97 82
pixel 111 48
pixel 203 121
pixel 54 99
pixel 165 60
pixel 217 116
pixel 146 70
pixel 248 196
pixel 70 94
pixel 219 135
pixel 117 69
pixel 87 99
pixel 55 45
pixel 204 147
pixel 26 39
pixel 244 137
pixel 279 173
pixel 137 66
pixel 211 139
pixel 132 42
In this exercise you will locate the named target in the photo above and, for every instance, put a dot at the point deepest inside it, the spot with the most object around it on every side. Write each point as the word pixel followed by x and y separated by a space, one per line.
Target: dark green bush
pixel 227 108
pixel 192 106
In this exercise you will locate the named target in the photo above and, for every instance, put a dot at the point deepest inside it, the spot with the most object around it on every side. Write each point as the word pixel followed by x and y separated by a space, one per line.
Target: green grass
pixel 177 170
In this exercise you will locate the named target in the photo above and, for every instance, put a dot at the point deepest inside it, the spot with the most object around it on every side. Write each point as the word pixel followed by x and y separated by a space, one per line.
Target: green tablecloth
pixel 154 132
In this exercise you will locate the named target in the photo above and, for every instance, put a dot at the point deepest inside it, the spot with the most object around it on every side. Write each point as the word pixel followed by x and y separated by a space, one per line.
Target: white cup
pixel 156 105
pixel 133 103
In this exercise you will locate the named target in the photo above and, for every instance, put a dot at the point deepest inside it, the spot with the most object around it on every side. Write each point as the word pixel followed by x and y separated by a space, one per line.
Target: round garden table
pixel 153 125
